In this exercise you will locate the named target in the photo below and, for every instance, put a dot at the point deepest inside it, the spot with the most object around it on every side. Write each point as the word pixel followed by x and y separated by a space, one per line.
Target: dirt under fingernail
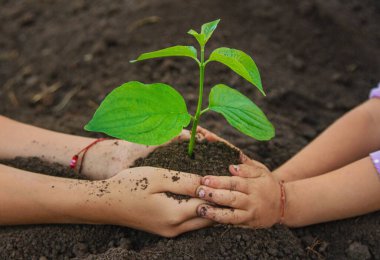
pixel 202 211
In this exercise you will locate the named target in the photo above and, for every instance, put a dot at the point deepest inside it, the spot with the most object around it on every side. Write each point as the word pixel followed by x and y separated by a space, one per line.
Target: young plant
pixel 153 114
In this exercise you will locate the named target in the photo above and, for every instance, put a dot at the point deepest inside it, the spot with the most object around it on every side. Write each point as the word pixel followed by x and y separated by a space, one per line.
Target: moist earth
pixel 318 59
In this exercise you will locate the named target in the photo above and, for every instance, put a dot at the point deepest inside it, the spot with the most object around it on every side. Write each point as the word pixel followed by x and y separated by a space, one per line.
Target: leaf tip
pixel 133 61
pixel 192 32
pixel 87 127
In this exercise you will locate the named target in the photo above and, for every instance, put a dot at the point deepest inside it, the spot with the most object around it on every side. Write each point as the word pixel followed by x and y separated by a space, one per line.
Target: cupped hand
pixel 107 158
pixel 137 198
pixel 250 198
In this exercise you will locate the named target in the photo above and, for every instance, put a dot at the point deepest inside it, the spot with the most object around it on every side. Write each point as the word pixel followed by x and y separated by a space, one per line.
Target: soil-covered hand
pixel 251 197
pixel 137 198
pixel 109 157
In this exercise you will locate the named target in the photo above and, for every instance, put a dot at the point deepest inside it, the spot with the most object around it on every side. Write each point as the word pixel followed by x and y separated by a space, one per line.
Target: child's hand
pixel 252 195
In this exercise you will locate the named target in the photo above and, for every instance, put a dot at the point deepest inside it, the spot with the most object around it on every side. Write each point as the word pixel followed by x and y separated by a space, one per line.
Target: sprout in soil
pixel 153 114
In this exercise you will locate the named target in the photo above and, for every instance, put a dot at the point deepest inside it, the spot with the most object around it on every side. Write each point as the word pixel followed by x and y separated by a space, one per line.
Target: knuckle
pixel 233 183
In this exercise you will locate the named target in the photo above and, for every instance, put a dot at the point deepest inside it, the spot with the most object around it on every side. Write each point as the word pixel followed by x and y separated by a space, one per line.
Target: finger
pixel 175 181
pixel 194 224
pixel 183 136
pixel 222 215
pixel 234 183
pixel 233 199
pixel 209 136
pixel 247 171
pixel 243 157
pixel 185 209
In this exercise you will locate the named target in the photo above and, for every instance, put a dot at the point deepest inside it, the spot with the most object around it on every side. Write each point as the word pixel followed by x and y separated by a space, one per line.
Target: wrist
pixel 105 159
pixel 291 213
pixel 72 201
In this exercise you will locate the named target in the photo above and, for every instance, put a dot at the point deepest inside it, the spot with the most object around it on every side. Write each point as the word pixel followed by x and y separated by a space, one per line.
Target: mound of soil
pixel 318 59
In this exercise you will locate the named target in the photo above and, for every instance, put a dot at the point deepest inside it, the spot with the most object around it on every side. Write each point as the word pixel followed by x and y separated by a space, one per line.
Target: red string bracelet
pixel 74 159
pixel 282 202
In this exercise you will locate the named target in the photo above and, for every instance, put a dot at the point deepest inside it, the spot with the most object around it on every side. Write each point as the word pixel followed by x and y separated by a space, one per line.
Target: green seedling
pixel 153 114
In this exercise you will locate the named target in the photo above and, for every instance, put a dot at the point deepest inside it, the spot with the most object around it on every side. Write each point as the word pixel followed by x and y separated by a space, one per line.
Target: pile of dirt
pixel 318 59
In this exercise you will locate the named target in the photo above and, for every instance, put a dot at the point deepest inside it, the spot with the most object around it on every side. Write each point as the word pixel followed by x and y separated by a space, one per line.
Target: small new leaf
pixel 206 32
pixel 150 114
pixel 175 51
pixel 199 37
pixel 208 28
pixel 239 62
pixel 240 112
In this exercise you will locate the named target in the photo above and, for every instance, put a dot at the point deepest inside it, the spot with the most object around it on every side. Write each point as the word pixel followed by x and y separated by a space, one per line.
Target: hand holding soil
pixel 251 195
pixel 317 188
pixel 137 198
pixel 134 198
pixel 109 157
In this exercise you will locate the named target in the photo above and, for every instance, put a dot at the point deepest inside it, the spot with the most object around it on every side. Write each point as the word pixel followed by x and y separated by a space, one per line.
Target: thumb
pixel 176 182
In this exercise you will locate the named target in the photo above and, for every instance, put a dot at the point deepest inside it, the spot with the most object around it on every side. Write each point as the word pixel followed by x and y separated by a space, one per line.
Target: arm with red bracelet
pixel 103 157
pixel 334 177
pixel 32 198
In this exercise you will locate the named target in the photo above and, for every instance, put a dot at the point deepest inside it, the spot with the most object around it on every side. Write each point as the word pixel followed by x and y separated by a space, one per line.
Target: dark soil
pixel 207 159
pixel 318 59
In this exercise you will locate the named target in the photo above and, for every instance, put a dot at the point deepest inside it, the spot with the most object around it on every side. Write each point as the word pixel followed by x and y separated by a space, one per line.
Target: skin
pixel 331 178
pixel 129 197
pixel 103 160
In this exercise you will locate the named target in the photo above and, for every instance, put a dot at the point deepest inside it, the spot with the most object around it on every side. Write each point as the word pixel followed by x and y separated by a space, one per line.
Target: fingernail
pixel 206 182
pixel 236 167
pixel 202 211
pixel 201 193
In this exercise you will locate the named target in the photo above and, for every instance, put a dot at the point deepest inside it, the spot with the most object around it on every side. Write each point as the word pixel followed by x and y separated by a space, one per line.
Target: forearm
pixel 350 191
pixel 18 139
pixel 30 198
pixel 350 138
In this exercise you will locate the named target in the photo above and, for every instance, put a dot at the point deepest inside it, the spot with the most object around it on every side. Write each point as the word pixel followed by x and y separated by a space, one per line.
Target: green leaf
pixel 150 114
pixel 240 112
pixel 206 32
pixel 208 28
pixel 199 37
pixel 184 51
pixel 239 62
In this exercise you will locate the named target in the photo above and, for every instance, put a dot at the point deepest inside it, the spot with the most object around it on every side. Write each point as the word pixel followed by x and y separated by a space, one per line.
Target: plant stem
pixel 199 107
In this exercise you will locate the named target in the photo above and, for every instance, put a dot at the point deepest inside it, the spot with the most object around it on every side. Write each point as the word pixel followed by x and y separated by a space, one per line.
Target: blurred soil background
pixel 318 59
